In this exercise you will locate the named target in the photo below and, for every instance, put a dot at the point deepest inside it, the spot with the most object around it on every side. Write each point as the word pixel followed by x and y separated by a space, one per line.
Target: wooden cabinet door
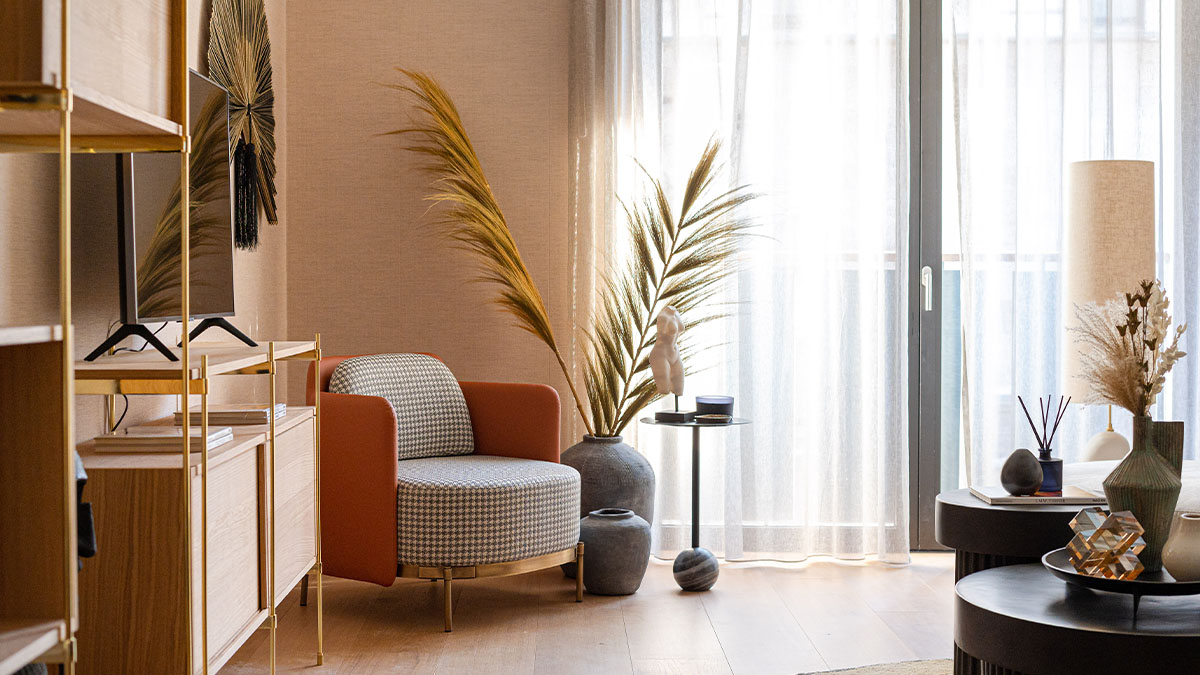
pixel 234 542
pixel 295 506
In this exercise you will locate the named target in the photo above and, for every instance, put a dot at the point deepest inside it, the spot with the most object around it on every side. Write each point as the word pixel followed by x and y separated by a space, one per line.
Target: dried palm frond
pixel 239 59
pixel 158 272
pixel 473 218
pixel 678 261
pixel 1124 349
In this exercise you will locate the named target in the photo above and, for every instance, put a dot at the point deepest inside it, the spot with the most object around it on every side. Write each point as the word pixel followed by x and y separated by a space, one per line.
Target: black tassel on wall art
pixel 245 206
pixel 239 59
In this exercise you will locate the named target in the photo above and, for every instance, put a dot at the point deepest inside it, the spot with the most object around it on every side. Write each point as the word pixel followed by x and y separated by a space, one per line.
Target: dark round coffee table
pixel 1021 620
pixel 985 536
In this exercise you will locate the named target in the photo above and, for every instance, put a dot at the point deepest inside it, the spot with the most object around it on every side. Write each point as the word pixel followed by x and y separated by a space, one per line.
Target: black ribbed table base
pixel 966 562
pixel 965 664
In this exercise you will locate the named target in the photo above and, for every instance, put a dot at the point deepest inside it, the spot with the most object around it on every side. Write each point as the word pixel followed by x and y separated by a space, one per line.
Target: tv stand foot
pixel 131 330
pixel 220 322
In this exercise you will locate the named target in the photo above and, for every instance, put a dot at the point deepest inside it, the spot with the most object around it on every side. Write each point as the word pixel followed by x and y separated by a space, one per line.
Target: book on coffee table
pixel 159 438
pixel 1071 494
pixel 235 414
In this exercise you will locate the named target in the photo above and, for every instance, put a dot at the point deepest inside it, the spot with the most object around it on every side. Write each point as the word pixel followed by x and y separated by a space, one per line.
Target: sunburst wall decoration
pixel 239 59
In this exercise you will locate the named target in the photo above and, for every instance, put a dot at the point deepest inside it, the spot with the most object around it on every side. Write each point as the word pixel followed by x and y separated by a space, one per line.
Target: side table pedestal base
pixel 696 569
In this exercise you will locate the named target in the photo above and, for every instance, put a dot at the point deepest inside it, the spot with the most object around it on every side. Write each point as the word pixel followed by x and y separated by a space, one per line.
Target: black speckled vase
pixel 1021 474
pixel 612 475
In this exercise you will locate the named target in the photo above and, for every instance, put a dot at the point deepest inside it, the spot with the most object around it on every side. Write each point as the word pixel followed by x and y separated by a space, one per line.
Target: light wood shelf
pixel 98 123
pixel 244 436
pixel 121 91
pixel 22 642
pixel 223 359
pixel 11 336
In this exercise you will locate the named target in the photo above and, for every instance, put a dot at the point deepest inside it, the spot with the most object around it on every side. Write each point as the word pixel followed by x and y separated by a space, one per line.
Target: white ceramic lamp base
pixel 1105 445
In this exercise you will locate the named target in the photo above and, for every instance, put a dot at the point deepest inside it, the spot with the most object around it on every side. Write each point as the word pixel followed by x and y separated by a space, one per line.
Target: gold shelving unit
pixel 43 110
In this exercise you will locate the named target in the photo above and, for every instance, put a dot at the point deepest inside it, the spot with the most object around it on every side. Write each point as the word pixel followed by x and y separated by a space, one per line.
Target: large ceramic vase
pixel 1146 484
pixel 616 551
pixel 612 475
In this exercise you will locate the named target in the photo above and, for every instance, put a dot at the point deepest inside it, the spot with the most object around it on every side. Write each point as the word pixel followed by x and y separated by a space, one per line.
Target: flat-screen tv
pixel 148 208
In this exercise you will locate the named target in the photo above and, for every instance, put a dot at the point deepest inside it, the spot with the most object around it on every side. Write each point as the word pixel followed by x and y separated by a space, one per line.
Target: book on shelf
pixel 1071 495
pixel 160 438
pixel 235 414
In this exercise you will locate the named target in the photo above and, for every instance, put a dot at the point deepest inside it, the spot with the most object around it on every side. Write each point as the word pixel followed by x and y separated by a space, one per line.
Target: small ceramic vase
pixel 616 549
pixel 1181 557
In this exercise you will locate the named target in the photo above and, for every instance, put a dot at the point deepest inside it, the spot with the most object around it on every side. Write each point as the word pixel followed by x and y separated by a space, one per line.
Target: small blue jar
pixel 1052 474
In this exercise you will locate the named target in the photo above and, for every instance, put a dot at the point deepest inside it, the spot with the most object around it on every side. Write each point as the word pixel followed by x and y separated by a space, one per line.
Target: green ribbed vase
pixel 1146 484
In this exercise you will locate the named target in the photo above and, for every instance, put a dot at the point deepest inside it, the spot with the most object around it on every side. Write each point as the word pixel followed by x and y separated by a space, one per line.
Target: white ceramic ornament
pixel 665 363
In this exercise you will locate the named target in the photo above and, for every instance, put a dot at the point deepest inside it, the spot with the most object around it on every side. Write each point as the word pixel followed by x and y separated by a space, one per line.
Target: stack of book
pixel 1071 495
pixel 235 414
pixel 160 438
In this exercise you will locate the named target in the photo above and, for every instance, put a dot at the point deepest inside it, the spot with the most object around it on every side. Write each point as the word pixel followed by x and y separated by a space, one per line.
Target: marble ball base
pixel 696 569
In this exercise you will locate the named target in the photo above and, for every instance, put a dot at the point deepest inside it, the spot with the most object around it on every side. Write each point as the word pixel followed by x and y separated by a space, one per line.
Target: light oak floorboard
pixel 759 618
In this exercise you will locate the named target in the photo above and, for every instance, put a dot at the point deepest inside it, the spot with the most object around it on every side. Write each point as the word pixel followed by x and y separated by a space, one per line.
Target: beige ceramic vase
pixel 1181 557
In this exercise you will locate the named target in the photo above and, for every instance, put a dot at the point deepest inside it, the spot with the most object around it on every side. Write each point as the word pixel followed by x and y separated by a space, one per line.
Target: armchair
pixel 437 496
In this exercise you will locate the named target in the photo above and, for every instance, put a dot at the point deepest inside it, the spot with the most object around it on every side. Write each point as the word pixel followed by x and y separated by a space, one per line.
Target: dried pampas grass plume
pixel 1127 347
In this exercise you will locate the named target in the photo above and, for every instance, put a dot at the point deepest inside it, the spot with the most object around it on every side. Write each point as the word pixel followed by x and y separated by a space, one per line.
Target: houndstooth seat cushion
pixel 431 414
pixel 479 509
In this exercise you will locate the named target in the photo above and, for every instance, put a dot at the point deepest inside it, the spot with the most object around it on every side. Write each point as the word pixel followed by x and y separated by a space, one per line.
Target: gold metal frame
pixel 70 553
pixel 503 569
pixel 318 569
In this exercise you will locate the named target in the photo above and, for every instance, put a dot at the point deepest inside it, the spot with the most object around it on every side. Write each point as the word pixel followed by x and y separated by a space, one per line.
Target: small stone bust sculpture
pixel 665 363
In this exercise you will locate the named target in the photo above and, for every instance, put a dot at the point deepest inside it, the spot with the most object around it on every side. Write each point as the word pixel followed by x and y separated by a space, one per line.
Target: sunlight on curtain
pixel 1030 87
pixel 810 99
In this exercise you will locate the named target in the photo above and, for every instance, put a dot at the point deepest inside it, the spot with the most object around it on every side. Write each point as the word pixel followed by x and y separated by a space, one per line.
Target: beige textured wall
pixel 366 264
pixel 28 252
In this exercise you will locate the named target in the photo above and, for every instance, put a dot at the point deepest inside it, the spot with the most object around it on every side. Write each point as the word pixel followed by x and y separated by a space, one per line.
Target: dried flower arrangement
pixel 1125 351
pixel 680 258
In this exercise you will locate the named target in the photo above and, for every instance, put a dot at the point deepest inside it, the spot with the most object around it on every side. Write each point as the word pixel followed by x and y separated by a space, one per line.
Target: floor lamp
pixel 1109 250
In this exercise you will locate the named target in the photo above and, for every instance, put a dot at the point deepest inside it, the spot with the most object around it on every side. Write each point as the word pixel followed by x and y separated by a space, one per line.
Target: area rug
pixel 935 667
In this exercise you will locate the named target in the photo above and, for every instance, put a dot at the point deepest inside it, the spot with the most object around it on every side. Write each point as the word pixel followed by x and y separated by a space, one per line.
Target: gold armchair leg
pixel 579 572
pixel 448 609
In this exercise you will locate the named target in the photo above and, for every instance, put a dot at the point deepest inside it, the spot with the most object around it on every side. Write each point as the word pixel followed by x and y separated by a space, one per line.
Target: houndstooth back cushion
pixel 431 414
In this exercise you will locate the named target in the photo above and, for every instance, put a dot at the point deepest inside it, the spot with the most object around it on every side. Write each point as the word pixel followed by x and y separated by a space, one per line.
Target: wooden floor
pixel 759 618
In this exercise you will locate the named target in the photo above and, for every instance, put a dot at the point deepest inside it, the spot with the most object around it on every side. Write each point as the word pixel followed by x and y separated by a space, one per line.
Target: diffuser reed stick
pixel 1046 437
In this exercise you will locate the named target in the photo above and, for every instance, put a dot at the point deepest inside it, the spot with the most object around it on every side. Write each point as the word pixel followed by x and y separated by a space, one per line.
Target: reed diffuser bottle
pixel 1052 467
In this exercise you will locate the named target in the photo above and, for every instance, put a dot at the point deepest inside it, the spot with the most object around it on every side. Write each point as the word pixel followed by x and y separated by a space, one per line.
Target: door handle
pixel 927 287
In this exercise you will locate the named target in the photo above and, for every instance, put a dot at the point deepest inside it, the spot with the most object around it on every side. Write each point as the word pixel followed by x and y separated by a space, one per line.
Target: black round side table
pixel 986 536
pixel 1021 620
pixel 696 569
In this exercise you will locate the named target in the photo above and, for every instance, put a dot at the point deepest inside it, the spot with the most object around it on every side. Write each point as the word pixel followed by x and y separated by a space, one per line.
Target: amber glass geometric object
pixel 1106 545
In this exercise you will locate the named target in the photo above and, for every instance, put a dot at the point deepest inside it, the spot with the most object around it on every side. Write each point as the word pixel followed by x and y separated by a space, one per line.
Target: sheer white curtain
pixel 1031 86
pixel 810 99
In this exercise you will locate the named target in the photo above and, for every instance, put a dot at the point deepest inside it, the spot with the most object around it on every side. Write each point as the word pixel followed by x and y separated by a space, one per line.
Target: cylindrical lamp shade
pixel 1110 243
